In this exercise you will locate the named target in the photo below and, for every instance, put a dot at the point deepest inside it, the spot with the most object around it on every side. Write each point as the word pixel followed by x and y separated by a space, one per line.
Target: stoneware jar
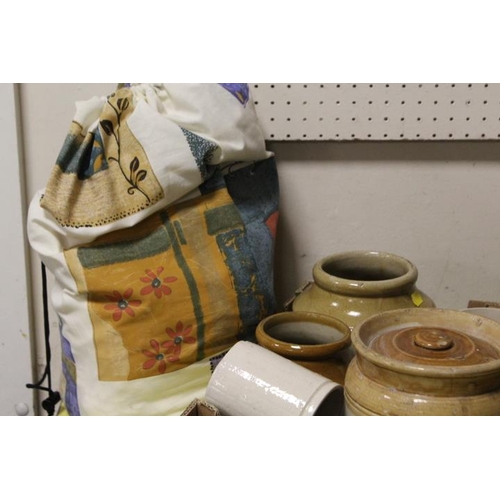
pixel 424 362
pixel 315 341
pixel 253 381
pixel 352 286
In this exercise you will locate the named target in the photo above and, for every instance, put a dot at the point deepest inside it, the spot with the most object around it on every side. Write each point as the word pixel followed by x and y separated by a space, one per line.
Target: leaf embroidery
pixel 136 176
pixel 107 126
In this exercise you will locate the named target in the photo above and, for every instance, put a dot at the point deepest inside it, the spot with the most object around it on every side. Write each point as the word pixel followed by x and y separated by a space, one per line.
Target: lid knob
pixel 433 339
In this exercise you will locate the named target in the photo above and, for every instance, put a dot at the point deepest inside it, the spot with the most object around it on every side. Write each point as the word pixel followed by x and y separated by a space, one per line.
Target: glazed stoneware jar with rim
pixel 425 362
pixel 315 341
pixel 352 286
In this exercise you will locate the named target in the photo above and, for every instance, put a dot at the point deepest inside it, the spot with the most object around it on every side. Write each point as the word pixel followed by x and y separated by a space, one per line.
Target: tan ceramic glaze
pixel 317 342
pixel 425 362
pixel 352 286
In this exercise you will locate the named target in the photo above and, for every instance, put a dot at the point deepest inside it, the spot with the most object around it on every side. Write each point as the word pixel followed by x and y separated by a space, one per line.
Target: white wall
pixel 15 342
pixel 436 204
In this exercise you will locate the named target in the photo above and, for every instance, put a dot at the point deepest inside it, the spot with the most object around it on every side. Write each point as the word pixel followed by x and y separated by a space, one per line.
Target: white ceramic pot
pixel 251 381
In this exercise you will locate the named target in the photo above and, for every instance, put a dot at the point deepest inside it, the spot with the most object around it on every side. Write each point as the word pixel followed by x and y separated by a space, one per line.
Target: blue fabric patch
pixel 71 395
pixel 202 151
pixel 83 158
pixel 239 90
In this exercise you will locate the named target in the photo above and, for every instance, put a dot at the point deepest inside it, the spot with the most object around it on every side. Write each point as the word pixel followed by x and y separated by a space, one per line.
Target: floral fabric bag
pixel 158 224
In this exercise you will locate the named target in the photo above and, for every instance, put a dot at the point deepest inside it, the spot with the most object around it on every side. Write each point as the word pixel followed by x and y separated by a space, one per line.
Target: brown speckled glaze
pixel 317 342
pixel 425 362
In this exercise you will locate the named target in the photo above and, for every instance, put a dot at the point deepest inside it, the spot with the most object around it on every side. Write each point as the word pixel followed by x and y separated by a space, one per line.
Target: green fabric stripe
pixel 222 219
pixel 96 256
pixel 193 289
pixel 180 232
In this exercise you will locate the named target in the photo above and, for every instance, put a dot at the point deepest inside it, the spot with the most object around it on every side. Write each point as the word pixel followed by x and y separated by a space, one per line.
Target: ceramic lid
pixel 430 342
pixel 427 345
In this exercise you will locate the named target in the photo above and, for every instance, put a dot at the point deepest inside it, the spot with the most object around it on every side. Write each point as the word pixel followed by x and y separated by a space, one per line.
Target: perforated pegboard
pixel 378 111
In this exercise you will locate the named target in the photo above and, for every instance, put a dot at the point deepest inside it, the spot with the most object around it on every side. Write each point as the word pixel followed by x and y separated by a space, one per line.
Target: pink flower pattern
pixel 154 356
pixel 178 337
pixel 157 284
pixel 121 303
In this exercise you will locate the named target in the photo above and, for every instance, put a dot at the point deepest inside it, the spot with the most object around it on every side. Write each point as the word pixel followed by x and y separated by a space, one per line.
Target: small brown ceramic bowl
pixel 315 341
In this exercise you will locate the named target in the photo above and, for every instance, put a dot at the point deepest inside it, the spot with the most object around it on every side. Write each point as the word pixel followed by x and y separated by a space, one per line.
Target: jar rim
pixel 365 274
pixel 297 350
